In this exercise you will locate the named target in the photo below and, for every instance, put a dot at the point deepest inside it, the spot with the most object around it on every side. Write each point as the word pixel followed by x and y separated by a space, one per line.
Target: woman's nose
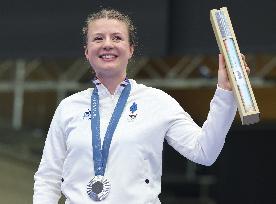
pixel 108 44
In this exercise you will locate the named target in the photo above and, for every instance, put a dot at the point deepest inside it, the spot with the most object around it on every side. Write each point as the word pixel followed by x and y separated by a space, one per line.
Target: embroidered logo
pixel 133 114
pixel 87 115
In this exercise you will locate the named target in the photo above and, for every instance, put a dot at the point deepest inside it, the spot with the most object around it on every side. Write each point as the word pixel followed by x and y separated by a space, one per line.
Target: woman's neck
pixel 111 82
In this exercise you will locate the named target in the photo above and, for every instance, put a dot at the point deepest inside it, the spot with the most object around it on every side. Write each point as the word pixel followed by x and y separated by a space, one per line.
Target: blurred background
pixel 42 62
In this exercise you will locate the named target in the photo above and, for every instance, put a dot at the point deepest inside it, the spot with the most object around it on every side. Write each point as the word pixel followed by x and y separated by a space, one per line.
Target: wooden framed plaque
pixel 228 46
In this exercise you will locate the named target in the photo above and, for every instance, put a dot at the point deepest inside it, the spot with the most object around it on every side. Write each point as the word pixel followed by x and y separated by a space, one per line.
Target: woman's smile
pixel 108 57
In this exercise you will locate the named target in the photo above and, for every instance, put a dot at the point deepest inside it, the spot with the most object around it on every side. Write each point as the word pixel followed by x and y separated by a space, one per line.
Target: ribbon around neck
pixel 100 155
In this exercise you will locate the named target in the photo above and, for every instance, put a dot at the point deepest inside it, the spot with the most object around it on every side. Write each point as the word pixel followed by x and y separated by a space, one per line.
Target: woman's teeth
pixel 108 56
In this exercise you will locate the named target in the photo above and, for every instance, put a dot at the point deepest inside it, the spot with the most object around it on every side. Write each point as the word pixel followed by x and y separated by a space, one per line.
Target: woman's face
pixel 108 49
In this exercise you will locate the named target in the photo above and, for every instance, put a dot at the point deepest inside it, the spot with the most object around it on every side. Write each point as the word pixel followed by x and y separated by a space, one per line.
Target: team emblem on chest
pixel 132 112
pixel 87 115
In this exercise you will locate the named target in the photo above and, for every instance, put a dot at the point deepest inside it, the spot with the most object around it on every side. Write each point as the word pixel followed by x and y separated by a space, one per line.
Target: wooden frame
pixel 239 80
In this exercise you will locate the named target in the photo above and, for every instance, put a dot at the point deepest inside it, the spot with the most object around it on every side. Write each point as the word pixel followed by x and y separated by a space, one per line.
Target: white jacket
pixel 134 166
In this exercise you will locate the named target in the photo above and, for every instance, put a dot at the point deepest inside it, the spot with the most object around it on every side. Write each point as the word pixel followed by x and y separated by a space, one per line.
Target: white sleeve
pixel 47 186
pixel 203 145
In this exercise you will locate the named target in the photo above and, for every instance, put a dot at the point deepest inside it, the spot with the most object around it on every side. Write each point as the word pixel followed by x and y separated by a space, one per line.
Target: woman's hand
pixel 223 80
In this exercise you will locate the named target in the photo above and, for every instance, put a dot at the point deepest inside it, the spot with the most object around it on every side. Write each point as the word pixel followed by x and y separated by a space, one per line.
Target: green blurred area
pixel 20 154
pixel 16 181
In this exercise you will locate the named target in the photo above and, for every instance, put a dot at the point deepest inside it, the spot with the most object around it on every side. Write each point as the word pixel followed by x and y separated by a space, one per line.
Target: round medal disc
pixel 98 188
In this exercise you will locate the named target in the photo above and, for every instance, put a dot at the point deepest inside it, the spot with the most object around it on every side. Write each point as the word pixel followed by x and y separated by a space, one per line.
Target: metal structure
pixel 62 76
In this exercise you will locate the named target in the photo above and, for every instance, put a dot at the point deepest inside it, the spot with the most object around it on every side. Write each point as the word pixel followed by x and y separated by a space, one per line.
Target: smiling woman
pixel 103 143
pixel 108 50
pixel 109 38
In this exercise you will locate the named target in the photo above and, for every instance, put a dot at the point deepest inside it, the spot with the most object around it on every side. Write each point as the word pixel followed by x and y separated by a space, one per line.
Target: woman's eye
pixel 117 38
pixel 97 39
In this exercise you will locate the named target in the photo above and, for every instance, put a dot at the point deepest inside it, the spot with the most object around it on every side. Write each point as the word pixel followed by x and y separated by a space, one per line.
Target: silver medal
pixel 98 188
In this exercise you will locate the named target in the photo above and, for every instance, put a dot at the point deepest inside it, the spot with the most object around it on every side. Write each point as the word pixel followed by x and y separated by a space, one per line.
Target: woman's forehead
pixel 107 25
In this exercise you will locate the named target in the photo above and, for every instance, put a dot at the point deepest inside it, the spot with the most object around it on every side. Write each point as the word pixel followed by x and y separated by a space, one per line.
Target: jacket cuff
pixel 226 95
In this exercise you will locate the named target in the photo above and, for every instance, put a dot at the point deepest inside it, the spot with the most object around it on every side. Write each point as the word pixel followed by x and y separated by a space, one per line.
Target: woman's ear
pixel 85 52
pixel 131 51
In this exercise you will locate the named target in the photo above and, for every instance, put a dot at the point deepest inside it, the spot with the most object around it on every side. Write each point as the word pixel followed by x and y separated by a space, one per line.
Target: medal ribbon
pixel 100 155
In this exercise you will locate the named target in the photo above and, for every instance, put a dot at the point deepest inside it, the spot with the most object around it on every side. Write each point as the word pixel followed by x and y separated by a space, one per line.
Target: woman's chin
pixel 110 71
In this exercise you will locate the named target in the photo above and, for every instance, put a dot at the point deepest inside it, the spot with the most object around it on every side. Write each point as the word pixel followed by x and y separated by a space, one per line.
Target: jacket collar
pixel 103 91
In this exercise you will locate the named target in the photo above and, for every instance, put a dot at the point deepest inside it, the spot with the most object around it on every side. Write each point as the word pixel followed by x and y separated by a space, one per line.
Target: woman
pixel 103 143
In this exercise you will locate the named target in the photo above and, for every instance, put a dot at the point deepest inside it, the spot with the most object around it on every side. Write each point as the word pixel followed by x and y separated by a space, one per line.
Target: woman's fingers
pixel 245 64
pixel 247 70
